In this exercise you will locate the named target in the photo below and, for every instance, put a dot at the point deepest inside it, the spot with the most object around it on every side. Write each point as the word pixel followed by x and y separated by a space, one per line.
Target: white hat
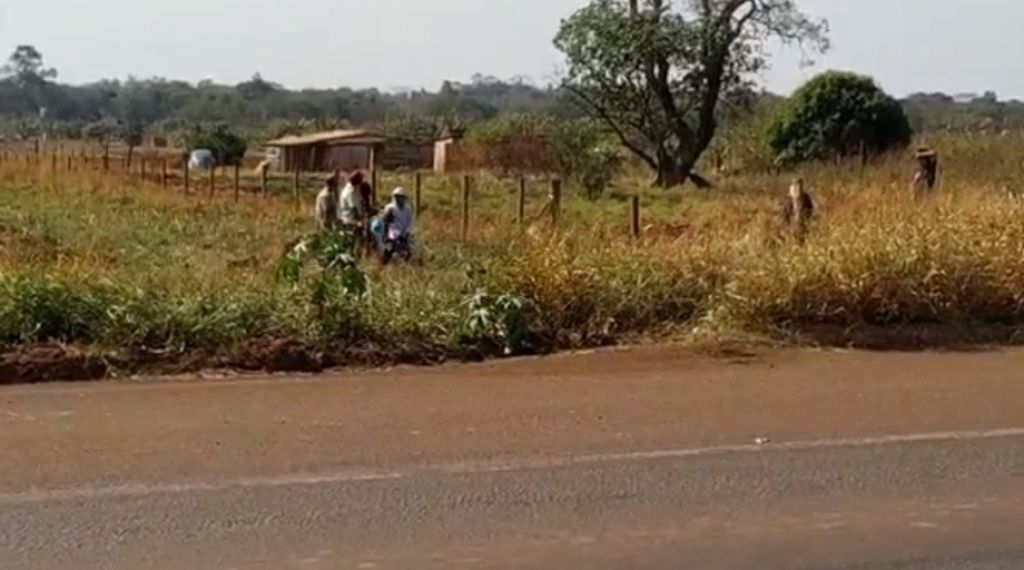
pixel 399 192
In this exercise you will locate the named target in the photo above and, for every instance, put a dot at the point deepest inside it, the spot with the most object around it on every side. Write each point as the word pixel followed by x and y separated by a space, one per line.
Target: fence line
pixel 260 185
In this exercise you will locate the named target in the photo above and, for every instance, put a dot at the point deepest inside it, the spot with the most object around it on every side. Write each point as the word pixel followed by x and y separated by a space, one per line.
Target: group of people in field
pixel 798 209
pixel 346 203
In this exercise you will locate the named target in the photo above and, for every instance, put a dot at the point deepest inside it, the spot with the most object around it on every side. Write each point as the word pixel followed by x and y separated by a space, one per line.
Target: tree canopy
pixel 655 71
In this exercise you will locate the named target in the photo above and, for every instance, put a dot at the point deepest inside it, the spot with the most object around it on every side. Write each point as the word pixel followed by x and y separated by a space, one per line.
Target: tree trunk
pixel 673 172
pixel 670 174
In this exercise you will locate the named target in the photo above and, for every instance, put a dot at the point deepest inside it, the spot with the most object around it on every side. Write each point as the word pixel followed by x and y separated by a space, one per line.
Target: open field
pixel 149 277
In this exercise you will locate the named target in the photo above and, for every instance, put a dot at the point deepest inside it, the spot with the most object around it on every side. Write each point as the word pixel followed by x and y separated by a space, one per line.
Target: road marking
pixel 481 467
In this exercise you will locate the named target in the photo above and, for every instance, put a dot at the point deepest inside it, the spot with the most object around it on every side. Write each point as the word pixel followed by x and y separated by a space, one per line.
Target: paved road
pixel 650 458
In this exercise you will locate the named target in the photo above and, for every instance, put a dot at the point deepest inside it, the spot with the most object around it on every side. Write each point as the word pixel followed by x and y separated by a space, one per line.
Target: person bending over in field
pixel 798 209
pixel 398 219
pixel 327 206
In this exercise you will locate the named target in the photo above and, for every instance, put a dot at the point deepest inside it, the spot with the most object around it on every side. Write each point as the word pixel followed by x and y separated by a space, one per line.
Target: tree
pixel 838 114
pixel 655 71
pixel 26 68
pixel 131 133
pixel 226 146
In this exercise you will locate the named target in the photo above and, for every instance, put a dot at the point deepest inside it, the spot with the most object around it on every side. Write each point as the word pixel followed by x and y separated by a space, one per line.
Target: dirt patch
pixel 51 363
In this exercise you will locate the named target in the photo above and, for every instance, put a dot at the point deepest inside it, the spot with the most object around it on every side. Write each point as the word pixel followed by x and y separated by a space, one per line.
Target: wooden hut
pixel 328 151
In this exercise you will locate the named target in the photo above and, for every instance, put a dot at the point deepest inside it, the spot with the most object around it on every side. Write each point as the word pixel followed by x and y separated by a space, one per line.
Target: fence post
pixel 188 175
pixel 69 163
pixel 635 216
pixel 263 180
pixel 106 159
pixel 417 194
pixel 53 163
pixel 238 182
pixel 466 183
pixel 213 180
pixel 521 202
pixel 295 186
pixel 556 201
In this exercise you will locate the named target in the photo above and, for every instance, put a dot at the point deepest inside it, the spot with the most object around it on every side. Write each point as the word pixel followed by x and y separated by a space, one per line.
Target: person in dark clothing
pixel 927 173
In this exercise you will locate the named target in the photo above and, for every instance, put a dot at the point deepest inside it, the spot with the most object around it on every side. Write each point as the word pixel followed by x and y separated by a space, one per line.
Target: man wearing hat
pixel 927 174
pixel 398 219
pixel 327 206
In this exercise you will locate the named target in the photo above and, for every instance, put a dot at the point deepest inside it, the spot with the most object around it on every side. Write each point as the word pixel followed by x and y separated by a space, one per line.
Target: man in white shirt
pixel 398 220
pixel 352 210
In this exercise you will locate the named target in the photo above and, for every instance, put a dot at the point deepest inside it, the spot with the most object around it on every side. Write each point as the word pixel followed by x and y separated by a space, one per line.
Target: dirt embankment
pixel 55 362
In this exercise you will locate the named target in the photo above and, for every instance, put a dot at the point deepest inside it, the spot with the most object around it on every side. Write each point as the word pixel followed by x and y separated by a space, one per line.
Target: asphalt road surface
pixel 646 458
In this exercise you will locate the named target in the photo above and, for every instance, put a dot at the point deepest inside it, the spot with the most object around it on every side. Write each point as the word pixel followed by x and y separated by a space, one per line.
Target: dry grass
pixel 107 262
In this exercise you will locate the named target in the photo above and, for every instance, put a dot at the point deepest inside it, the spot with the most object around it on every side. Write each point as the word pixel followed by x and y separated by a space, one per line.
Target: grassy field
pixel 146 276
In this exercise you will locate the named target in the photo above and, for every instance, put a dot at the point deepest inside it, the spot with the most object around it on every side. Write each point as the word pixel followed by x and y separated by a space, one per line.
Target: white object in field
pixel 200 159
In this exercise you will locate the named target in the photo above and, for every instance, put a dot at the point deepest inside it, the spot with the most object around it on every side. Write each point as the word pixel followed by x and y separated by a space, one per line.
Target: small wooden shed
pixel 327 151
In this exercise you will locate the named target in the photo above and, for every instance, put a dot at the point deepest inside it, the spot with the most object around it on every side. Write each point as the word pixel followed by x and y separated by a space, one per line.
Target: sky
pixel 954 46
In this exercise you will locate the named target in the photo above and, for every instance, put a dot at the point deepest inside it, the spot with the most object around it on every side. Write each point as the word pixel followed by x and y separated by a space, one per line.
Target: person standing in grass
pixel 798 209
pixel 327 206
pixel 353 208
pixel 927 173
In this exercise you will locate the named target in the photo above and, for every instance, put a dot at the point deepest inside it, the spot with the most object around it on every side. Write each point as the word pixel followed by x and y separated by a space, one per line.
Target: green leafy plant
pixel 335 254
pixel 496 321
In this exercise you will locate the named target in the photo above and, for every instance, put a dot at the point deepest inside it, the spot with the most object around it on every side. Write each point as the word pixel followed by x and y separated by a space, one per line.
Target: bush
pixel 835 115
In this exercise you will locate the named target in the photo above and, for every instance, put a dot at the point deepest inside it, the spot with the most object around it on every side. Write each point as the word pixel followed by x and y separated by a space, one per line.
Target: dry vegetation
pixel 147 276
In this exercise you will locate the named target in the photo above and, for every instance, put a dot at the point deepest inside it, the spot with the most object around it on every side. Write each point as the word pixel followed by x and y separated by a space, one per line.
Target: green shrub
pixel 835 115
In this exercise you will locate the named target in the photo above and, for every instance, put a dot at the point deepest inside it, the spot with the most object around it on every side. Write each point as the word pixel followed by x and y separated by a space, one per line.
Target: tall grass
pixel 111 264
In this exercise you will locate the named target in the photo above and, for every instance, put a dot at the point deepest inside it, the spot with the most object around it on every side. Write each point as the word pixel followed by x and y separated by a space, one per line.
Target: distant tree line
pixel 32 100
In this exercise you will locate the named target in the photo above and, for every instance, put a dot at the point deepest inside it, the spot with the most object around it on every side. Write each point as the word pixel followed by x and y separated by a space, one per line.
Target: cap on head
pixel 399 193
pixel 925 152
pixel 356 178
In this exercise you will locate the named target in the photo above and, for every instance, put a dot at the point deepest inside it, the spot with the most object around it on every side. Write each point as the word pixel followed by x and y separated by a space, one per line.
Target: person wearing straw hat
pixel 927 173
pixel 397 218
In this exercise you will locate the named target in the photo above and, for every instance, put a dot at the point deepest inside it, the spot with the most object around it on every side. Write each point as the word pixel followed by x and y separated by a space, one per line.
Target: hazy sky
pixel 909 45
